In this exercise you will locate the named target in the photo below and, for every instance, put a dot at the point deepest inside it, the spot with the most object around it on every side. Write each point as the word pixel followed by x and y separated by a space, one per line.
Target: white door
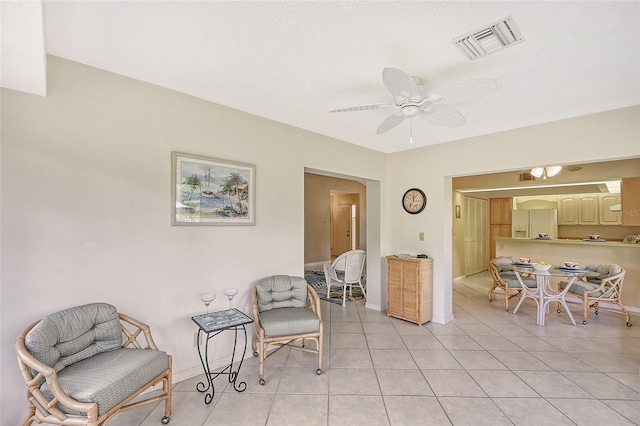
pixel 340 229
pixel 476 239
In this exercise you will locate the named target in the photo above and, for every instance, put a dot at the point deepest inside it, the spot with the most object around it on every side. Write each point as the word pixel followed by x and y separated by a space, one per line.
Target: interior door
pixel 340 229
pixel 476 240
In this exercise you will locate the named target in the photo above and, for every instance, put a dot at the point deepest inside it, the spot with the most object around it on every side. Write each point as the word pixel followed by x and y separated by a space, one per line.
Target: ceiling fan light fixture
pixel 537 171
pixel 545 172
pixel 553 170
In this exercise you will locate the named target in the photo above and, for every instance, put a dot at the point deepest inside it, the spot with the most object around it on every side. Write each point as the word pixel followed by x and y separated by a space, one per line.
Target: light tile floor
pixel 487 367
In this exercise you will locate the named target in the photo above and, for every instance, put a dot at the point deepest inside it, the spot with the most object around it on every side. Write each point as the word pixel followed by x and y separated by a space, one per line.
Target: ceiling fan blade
pixel 401 85
pixel 362 107
pixel 463 91
pixel 442 115
pixel 390 122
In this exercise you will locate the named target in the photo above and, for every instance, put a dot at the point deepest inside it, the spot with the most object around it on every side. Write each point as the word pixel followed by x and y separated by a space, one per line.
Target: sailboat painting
pixel 207 191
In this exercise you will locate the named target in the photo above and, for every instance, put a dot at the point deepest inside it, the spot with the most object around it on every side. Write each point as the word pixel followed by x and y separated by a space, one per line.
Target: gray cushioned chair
pixel 506 279
pixel 285 310
pixel 606 287
pixel 85 364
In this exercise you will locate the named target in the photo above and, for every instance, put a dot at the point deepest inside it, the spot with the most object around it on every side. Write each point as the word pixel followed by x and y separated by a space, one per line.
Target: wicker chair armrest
pixel 34 372
pixel 314 301
pixel 613 285
pixel 256 314
pixel 132 335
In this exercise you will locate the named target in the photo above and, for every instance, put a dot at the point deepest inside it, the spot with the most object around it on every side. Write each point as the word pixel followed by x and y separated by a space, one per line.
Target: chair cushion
pixel 110 377
pixel 605 270
pixel 514 283
pixel 504 260
pixel 75 334
pixel 289 321
pixel 579 287
pixel 281 291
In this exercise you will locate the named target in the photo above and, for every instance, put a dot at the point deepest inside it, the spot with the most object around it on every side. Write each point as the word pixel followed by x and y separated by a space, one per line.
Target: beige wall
pixel 606 136
pixel 86 189
pixel 317 213
pixel 85 209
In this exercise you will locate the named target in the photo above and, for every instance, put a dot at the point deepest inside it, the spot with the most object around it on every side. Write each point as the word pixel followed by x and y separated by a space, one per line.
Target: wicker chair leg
pixel 507 293
pixel 585 310
pixel 31 416
pixel 491 291
pixel 166 387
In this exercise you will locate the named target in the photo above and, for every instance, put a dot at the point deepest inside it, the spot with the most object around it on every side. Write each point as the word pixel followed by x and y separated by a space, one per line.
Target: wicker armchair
pixel 83 365
pixel 285 310
pixel 506 280
pixel 606 287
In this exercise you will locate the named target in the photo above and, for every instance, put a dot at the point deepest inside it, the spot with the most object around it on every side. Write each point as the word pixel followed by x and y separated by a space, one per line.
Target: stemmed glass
pixel 230 293
pixel 207 298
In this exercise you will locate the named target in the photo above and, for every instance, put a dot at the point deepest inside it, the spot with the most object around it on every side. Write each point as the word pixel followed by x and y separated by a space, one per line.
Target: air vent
pixel 525 176
pixel 489 39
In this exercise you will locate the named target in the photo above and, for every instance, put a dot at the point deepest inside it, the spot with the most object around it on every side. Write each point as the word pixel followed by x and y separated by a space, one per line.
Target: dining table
pixel 543 293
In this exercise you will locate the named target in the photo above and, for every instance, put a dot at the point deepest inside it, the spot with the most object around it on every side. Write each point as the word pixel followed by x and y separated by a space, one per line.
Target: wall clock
pixel 414 201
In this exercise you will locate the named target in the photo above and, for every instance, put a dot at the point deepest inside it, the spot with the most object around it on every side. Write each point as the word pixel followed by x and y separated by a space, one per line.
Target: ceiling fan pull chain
pixel 411 134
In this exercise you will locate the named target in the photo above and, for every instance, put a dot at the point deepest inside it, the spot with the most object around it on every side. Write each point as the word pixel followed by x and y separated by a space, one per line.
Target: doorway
pixel 335 216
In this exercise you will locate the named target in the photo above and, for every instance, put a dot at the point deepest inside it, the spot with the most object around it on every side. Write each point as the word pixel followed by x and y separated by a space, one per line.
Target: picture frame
pixel 210 191
pixel 457 211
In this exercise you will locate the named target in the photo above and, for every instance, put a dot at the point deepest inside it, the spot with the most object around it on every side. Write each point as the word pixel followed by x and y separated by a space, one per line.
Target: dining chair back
pixel 506 280
pixel 346 272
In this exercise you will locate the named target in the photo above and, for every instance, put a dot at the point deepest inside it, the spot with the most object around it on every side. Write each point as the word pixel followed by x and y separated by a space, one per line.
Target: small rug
pixel 316 280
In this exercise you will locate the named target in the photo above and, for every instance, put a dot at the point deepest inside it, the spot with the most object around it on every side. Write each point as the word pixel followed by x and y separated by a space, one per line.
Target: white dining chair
pixel 346 271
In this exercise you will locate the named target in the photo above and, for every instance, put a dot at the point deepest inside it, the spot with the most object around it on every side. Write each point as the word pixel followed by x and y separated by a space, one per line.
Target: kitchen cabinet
pixel 410 289
pixel 500 221
pixel 567 210
pixel 581 209
pixel 500 211
pixel 631 201
pixel 610 209
pixel 588 210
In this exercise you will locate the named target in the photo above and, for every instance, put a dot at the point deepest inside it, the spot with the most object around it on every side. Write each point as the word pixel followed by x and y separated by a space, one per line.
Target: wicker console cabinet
pixel 409 289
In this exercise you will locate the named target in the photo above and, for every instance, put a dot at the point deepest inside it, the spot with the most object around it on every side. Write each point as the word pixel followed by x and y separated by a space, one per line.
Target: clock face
pixel 414 201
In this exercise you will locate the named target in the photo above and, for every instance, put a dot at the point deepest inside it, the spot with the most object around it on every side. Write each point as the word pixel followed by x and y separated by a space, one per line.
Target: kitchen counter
pixel 574 241
pixel 584 253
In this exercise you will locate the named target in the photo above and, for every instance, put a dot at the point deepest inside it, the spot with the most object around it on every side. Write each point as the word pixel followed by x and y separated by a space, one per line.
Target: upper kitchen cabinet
pixel 588 210
pixel 567 210
pixel 500 211
pixel 610 209
pixel 581 209
pixel 631 201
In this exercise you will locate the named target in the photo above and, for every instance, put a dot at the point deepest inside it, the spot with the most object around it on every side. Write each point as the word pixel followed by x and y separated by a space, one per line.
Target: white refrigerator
pixel 530 223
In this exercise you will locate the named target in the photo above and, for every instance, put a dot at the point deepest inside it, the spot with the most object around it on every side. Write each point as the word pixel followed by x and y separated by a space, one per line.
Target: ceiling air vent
pixel 525 176
pixel 489 39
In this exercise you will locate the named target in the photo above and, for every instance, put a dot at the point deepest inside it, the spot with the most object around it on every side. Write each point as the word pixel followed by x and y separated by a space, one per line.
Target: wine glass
pixel 230 293
pixel 207 298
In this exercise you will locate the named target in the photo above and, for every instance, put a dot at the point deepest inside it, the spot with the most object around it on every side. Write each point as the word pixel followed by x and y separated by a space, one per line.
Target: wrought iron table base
pixel 208 387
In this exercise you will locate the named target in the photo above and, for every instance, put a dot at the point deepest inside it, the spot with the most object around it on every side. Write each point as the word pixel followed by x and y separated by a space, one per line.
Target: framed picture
pixel 207 191
pixel 457 211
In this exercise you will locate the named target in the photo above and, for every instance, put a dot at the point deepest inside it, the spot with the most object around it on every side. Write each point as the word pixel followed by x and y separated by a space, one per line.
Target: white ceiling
pixel 294 61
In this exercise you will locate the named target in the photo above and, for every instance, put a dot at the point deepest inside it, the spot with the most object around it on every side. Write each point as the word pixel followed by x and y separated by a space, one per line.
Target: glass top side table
pixel 211 324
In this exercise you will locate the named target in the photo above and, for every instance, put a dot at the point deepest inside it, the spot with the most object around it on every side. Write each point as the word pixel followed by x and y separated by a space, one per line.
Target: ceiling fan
pixel 432 105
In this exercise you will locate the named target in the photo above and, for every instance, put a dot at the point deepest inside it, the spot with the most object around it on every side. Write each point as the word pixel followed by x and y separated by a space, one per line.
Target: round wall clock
pixel 414 201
